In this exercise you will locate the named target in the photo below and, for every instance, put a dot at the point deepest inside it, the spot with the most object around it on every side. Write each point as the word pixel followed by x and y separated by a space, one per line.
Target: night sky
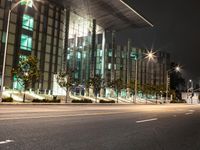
pixel 176 30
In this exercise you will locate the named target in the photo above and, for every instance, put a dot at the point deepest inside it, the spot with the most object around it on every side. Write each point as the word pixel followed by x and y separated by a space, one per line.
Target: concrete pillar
pixel 93 51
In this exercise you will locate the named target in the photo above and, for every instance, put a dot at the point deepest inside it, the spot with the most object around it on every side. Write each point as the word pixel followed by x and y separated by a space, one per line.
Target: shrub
pixel 46 101
pixel 7 100
pixel 82 101
pixel 178 101
pixel 37 101
pixel 104 101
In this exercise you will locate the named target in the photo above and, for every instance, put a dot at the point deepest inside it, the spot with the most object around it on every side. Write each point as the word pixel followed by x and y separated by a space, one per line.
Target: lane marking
pixel 6 142
pixel 147 120
pixel 174 115
pixel 58 116
pixel 189 113
pixel 191 110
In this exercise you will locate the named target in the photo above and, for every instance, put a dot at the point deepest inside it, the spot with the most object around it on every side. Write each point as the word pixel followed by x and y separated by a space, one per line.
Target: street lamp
pixel 177 69
pixel 190 88
pixel 27 2
pixel 150 55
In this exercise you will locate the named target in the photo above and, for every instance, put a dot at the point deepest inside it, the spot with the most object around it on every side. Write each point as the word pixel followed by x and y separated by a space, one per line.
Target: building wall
pixel 63 39
pixel 44 39
pixel 149 72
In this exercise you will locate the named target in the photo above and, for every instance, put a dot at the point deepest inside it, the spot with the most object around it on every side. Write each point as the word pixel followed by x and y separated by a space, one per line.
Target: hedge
pixel 104 101
pixel 46 101
pixel 82 101
pixel 7 100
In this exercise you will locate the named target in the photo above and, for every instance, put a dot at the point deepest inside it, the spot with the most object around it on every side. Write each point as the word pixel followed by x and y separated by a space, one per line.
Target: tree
pixel 117 85
pixel 65 80
pixel 87 86
pixel 96 83
pixel 131 86
pixel 26 72
pixel 177 82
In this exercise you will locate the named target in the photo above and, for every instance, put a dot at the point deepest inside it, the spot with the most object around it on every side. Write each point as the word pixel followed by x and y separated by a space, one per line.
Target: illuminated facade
pixel 82 39
pixel 32 32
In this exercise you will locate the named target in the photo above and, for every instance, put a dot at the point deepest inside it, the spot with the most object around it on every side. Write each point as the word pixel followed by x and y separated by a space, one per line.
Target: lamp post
pixel 6 44
pixel 150 55
pixel 177 69
pixel 190 88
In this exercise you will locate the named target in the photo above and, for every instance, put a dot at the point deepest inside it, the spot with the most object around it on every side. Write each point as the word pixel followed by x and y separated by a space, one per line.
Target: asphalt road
pixel 100 127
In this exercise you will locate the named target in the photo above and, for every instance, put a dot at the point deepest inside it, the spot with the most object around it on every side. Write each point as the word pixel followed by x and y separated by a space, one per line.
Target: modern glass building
pixel 79 35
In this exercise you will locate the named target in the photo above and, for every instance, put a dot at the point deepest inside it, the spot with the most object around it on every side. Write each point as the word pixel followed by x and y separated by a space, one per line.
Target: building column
pixel 103 54
pixel 93 51
pixel 128 68
pixel 65 65
pixel 113 59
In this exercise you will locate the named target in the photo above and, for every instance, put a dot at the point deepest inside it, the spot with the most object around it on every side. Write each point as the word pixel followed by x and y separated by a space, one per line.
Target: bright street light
pixel 178 69
pixel 150 55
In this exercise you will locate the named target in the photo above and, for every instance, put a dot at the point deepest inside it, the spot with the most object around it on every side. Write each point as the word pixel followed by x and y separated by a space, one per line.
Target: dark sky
pixel 176 30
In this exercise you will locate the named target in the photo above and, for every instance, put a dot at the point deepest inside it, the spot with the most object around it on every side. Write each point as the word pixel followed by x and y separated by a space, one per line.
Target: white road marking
pixel 5 142
pixel 58 116
pixel 191 110
pixel 189 113
pixel 147 120
pixel 175 115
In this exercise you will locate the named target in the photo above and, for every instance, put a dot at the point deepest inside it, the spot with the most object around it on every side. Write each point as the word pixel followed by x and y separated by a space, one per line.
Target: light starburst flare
pixel 150 55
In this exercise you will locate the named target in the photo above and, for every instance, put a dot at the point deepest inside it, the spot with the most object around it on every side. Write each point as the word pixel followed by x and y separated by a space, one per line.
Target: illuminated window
pixel 110 53
pixel 109 66
pixel 17 83
pixel 28 3
pixel 27 22
pixel 79 55
pixel 4 37
pixel 26 42
pixel 22 58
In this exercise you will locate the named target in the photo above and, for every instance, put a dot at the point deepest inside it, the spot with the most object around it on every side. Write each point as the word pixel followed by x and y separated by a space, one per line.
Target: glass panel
pixel 26 42
pixel 110 53
pixel 27 22
pixel 28 3
pixel 4 37
pixel 109 66
pixel 17 83
pixel 22 58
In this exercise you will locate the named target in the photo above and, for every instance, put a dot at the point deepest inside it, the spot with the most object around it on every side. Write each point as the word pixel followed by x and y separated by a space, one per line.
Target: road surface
pixel 100 127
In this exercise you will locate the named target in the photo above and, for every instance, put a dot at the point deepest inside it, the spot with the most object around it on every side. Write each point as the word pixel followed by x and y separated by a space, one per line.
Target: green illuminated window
pixel 17 83
pixel 4 37
pixel 26 42
pixel 28 3
pixel 79 55
pixel 110 53
pixel 28 22
pixel 22 58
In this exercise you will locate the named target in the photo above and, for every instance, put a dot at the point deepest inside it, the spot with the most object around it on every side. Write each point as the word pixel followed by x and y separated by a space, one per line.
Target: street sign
pixel 134 55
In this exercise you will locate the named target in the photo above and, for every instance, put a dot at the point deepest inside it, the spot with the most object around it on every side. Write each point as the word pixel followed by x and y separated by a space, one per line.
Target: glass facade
pixel 26 42
pixel 80 47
